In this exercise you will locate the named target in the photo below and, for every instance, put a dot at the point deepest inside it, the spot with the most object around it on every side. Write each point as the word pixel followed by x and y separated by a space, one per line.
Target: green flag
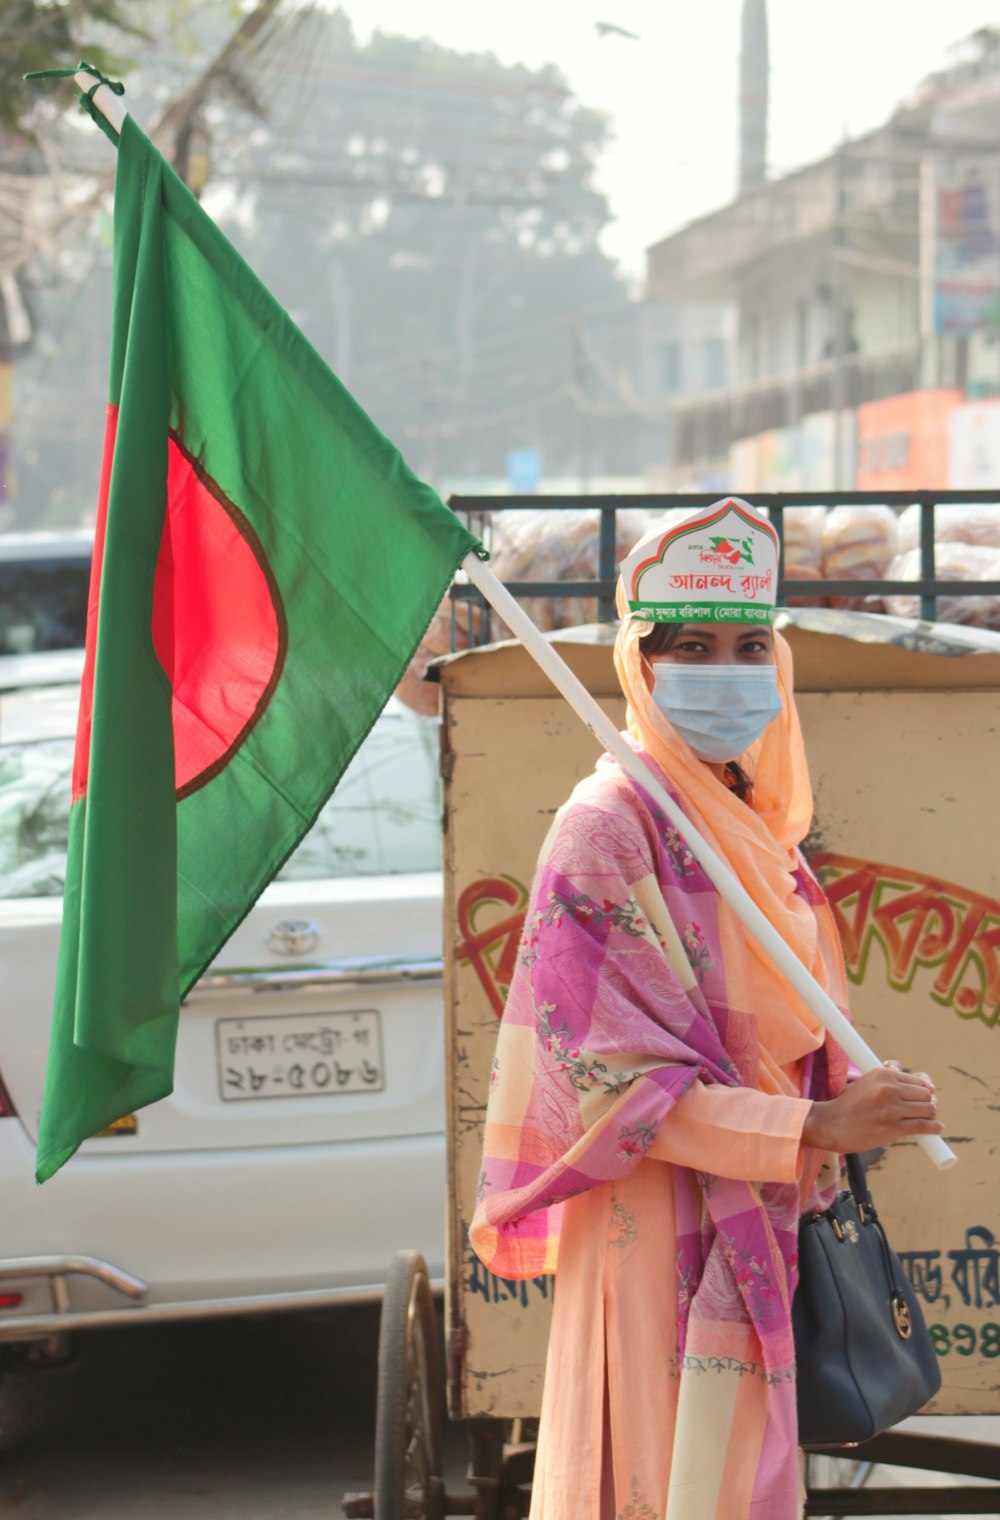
pixel 265 564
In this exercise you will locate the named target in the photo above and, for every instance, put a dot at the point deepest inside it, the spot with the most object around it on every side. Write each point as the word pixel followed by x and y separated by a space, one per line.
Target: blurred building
pixel 865 292
pixel 687 350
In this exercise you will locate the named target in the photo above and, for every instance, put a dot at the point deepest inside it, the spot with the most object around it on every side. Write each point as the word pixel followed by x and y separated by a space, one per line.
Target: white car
pixel 44 578
pixel 303 1143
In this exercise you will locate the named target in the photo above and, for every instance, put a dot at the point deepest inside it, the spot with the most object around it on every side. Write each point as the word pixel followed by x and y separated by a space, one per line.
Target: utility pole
pixel 839 305
pixel 583 416
pixel 754 72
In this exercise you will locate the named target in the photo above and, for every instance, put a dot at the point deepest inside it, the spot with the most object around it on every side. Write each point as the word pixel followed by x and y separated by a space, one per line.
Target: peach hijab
pixel 761 846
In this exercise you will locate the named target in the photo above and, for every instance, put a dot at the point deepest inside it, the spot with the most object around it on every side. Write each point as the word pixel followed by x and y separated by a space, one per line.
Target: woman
pixel 662 1103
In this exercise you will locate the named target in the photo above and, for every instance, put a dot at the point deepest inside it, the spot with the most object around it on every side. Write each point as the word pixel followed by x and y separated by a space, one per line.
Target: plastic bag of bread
pixel 954 523
pixel 547 546
pixel 559 546
pixel 455 625
pixel 858 544
pixel 952 562
pixel 803 541
pixel 534 545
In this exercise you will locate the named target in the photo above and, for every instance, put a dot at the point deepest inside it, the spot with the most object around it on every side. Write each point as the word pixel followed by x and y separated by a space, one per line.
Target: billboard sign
pixel 963 223
pixel 903 441
pixel 975 446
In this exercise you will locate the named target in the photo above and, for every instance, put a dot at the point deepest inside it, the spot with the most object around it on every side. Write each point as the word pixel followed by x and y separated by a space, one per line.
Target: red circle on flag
pixel 217 624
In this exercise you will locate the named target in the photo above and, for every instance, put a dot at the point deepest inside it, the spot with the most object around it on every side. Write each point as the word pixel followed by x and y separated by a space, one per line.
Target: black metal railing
pixel 928 586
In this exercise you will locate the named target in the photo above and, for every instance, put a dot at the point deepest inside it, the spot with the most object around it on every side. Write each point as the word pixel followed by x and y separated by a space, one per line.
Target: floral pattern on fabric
pixel 622 1228
pixel 679 857
pixel 583 1073
pixel 635 1142
pixel 720 1364
pixel 697 950
pixel 687 1283
pixel 753 1277
pixel 578 905
pixel 636 1508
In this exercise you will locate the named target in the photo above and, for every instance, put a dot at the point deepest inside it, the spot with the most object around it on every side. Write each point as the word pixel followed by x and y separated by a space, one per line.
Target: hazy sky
pixel 835 65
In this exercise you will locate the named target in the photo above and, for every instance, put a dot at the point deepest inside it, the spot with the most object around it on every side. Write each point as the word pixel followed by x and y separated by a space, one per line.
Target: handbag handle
pixel 868 1214
pixel 859 1186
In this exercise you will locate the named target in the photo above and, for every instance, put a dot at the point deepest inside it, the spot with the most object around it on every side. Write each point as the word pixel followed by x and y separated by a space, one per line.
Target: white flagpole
pixel 719 874
pixel 606 734
pixel 106 101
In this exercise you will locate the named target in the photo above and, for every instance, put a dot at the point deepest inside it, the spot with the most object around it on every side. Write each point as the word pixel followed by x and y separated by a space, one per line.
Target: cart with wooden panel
pixel 902 728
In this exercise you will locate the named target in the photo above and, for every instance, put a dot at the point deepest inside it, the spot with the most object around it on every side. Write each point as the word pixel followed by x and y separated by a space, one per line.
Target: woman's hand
pixel 884 1105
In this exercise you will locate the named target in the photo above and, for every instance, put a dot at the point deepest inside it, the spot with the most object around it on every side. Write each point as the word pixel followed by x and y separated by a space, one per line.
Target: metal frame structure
pixel 478 509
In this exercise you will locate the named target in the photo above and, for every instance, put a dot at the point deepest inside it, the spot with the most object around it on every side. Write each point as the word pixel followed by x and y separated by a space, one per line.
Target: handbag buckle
pixel 901 1317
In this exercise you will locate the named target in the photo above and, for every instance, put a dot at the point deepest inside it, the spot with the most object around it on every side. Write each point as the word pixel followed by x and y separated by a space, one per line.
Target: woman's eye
pixel 754 646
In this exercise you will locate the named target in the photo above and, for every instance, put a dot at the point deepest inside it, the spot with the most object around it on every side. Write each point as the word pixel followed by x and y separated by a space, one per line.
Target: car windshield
pixel 43 604
pixel 383 819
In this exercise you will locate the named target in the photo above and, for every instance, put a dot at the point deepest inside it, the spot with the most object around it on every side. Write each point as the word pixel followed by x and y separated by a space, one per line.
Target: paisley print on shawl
pixel 718 1295
pixel 614 1004
pixel 741 1045
pixel 608 841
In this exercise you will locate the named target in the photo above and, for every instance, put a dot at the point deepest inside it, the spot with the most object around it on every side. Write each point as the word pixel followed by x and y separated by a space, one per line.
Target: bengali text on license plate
pixel 300 1055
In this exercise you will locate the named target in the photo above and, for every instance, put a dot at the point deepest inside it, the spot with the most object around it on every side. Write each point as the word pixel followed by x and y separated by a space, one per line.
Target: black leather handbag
pixel 865 1360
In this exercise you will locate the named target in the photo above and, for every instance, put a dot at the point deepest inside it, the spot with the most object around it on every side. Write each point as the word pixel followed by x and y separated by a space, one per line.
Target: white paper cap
pixel 719 565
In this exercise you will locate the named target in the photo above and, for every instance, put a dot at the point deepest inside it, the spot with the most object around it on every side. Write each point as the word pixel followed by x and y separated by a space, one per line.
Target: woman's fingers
pixel 912 1076
pixel 909 1103
pixel 923 1115
pixel 916 1092
pixel 912 1086
pixel 914 1102
pixel 885 1104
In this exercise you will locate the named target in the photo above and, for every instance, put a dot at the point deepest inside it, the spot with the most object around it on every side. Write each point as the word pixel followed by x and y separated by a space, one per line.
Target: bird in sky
pixel 609 29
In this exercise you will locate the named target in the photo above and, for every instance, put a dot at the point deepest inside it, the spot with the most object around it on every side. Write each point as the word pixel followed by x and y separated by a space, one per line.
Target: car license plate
pixel 304 1055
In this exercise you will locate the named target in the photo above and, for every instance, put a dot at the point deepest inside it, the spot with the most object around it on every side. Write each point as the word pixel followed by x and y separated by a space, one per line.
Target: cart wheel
pixel 408 1480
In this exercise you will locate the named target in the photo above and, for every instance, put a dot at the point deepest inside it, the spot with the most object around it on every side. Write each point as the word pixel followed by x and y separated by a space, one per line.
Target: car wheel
pixel 408 1479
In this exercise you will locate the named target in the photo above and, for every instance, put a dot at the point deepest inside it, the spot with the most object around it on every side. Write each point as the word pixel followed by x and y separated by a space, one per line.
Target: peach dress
pixel 652 1077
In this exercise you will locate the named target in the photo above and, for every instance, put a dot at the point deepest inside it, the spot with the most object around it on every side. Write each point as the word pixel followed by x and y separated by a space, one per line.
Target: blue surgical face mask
pixel 719 710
